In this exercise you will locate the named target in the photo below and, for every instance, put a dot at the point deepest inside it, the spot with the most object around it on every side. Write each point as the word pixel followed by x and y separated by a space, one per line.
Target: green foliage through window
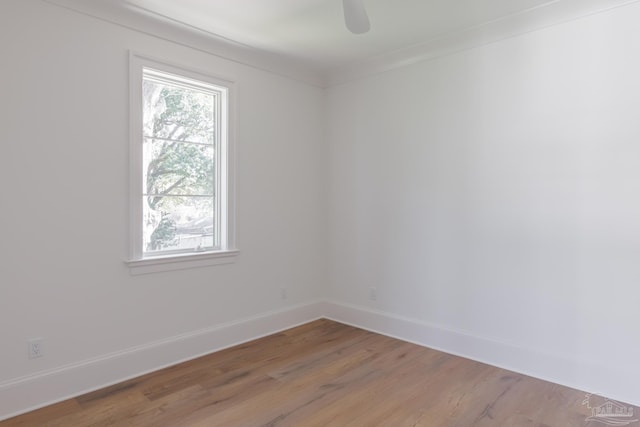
pixel 179 134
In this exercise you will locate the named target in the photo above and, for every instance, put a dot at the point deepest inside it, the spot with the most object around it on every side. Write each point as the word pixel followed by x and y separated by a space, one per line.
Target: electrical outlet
pixel 35 346
pixel 373 294
pixel 283 293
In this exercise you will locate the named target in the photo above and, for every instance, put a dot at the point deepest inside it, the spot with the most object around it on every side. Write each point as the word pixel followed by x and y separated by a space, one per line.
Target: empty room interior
pixel 320 213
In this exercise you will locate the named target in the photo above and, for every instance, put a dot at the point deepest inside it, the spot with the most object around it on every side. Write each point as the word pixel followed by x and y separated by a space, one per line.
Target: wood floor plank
pixel 39 417
pixel 109 410
pixel 324 374
pixel 171 409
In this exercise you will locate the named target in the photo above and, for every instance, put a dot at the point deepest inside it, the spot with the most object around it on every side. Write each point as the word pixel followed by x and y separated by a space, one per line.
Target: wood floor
pixel 325 374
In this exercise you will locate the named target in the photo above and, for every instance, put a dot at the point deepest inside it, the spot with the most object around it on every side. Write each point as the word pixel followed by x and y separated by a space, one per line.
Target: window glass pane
pixel 178 223
pixel 177 168
pixel 177 113
pixel 178 151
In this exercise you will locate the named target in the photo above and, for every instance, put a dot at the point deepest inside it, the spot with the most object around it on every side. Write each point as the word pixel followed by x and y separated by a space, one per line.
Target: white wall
pixel 492 198
pixel 64 215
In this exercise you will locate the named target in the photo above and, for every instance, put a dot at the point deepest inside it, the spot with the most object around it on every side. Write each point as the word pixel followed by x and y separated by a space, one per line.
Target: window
pixel 181 168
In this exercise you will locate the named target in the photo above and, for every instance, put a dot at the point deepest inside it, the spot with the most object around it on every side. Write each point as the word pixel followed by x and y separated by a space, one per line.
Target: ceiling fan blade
pixel 355 16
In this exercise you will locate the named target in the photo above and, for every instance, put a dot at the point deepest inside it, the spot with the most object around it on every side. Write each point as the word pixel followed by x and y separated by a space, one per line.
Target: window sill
pixel 180 262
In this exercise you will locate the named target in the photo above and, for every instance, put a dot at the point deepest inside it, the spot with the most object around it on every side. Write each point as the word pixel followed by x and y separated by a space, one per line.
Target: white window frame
pixel 138 262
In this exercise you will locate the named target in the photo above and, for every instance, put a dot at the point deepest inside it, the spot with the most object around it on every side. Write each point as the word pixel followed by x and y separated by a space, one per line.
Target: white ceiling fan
pixel 355 16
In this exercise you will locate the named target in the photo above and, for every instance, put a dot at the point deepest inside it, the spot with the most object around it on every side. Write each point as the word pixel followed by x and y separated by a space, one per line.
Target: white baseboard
pixel 31 392
pixel 603 379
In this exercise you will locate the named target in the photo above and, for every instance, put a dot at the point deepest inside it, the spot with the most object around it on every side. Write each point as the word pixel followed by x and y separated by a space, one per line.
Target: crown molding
pixel 551 13
pixel 163 27
pixel 546 15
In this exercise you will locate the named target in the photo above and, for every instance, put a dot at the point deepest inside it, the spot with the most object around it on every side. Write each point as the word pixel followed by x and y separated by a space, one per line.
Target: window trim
pixel 225 177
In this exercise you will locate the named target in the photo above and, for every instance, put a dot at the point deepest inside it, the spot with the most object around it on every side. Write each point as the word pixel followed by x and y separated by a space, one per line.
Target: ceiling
pixel 314 30
pixel 307 39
